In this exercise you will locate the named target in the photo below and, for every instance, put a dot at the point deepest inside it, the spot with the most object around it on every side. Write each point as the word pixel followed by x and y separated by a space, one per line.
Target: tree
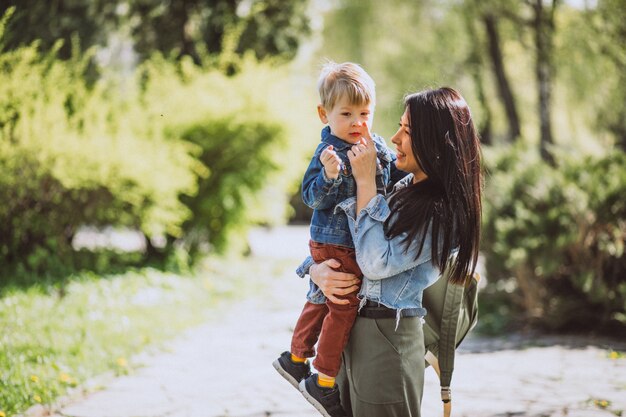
pixel 175 28
pixel 187 27
pixel 485 15
pixel 540 19
pixel 50 21
pixel 505 91
pixel 609 26
pixel 405 46
pixel 544 28
pixel 475 63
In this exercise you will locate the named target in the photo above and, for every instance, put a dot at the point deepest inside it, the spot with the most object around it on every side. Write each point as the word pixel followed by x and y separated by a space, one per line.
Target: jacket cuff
pixel 304 267
pixel 330 181
pixel 348 206
pixel 377 209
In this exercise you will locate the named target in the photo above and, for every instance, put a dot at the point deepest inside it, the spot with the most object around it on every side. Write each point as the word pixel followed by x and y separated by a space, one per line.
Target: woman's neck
pixel 419 176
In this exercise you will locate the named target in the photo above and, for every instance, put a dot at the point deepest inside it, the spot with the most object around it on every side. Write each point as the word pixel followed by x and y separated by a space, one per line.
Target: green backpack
pixel 452 313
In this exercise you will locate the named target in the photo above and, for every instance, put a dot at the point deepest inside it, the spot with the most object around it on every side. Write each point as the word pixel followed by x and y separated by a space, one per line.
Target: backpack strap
pixel 447 342
pixel 445 392
pixel 447 333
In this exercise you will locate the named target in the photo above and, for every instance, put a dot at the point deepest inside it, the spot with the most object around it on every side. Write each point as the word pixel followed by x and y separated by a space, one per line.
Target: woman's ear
pixel 321 112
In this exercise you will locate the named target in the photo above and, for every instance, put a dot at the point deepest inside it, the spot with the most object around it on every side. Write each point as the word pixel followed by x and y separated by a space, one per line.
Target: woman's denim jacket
pixel 322 193
pixel 392 277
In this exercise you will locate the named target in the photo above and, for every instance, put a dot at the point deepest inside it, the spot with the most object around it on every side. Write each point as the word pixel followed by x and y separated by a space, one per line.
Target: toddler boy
pixel 348 98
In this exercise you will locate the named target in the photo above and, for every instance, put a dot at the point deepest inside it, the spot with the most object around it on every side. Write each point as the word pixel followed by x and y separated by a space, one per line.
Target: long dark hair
pixel 446 146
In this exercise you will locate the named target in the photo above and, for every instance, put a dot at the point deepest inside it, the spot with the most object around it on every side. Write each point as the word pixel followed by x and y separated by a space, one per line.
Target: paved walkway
pixel 223 368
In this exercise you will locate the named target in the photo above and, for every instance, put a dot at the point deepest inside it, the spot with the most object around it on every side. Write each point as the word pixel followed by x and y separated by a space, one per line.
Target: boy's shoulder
pixel 330 139
pixel 381 147
pixel 339 146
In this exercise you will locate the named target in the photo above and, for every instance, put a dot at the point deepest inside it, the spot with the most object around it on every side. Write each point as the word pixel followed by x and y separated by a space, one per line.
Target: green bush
pixel 239 157
pixel 133 150
pixel 74 154
pixel 237 127
pixel 554 238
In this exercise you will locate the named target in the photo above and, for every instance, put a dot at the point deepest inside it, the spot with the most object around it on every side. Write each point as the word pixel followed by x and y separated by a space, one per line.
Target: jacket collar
pixel 331 139
pixel 404 182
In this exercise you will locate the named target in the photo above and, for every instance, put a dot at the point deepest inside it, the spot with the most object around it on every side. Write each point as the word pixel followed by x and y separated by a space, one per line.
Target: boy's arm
pixel 304 267
pixel 319 191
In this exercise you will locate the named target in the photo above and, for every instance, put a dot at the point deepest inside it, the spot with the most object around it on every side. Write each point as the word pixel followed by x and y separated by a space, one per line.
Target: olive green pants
pixel 382 373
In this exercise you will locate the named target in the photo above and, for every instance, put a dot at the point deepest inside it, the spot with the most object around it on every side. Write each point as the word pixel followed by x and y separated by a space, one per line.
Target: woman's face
pixel 406 159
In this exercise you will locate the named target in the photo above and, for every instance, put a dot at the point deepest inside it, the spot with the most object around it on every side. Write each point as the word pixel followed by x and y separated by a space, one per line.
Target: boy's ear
pixel 321 112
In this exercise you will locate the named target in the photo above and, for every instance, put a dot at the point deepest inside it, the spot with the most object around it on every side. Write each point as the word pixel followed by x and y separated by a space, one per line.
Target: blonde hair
pixel 349 79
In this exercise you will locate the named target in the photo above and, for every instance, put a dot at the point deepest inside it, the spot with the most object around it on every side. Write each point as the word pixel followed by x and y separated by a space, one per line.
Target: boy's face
pixel 348 121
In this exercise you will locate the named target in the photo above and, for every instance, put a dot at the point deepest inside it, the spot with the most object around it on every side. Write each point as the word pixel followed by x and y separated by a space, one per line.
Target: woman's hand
pixel 363 161
pixel 362 158
pixel 331 282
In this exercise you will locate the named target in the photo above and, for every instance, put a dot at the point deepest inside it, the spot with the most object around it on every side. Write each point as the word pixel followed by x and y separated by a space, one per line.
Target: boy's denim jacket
pixel 322 194
pixel 392 277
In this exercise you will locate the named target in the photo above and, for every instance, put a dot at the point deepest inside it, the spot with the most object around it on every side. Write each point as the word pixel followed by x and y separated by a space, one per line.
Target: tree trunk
pixel 187 47
pixel 504 87
pixel 543 26
pixel 222 14
pixel 475 65
pixel 533 298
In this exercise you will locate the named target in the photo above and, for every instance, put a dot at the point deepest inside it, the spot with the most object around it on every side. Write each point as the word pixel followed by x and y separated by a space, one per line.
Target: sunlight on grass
pixel 53 342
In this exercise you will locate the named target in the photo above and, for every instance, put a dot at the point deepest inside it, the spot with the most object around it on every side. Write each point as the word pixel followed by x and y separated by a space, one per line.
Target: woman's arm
pixel 380 257
pixel 377 256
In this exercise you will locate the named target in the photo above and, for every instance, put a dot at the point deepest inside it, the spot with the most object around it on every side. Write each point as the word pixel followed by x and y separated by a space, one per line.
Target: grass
pixel 52 341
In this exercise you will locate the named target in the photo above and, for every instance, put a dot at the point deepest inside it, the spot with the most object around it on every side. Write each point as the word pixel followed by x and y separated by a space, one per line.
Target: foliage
pixel 554 238
pixel 49 22
pixel 239 155
pixel 189 28
pixel 73 154
pixel 125 151
pixel 54 339
pixel 267 28
pixel 238 127
pixel 411 46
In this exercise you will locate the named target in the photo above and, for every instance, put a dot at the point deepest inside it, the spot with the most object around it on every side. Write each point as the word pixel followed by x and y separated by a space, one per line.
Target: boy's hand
pixel 331 162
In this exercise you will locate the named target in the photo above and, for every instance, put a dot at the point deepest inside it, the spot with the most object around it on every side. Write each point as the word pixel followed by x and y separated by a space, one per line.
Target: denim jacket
pixel 322 194
pixel 392 277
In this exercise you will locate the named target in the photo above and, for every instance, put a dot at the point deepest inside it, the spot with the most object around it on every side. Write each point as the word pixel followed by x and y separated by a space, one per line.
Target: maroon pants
pixel 330 323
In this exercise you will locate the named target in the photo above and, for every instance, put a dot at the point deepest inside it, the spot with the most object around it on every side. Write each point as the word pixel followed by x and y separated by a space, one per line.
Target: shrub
pixel 554 238
pixel 237 126
pixel 133 150
pixel 238 155
pixel 73 154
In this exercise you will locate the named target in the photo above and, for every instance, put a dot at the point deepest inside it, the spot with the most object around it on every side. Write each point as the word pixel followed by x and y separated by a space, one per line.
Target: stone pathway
pixel 223 368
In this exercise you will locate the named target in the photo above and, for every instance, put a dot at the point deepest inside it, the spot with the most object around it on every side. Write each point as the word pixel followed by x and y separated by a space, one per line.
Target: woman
pixel 402 244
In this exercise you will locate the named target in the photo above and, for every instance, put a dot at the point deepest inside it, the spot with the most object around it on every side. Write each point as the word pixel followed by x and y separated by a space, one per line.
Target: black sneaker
pixel 292 371
pixel 326 400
